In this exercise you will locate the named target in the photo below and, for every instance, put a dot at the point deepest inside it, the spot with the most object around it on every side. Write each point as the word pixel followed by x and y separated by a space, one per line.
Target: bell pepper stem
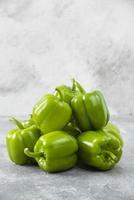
pixel 16 122
pixel 60 93
pixel 33 154
pixel 76 86
pixel 73 84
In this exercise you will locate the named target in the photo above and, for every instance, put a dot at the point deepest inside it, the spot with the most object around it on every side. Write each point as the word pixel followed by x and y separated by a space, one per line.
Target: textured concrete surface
pixel 30 183
pixel 45 43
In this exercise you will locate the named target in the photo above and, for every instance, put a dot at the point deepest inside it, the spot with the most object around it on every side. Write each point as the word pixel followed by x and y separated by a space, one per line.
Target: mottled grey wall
pixel 45 43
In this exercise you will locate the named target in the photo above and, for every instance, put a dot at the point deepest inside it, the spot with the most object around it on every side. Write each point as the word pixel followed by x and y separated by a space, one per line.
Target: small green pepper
pixel 97 109
pixel 51 114
pixel 55 151
pixel 90 110
pixel 20 138
pixel 100 149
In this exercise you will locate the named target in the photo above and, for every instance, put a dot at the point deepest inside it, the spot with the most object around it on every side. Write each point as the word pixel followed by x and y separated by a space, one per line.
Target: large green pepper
pixel 100 149
pixel 20 138
pixel 51 114
pixel 55 151
pixel 90 110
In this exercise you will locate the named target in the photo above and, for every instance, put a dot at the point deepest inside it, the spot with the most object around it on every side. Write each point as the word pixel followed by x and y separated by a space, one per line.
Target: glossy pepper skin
pixel 55 151
pixel 113 129
pixel 20 138
pixel 90 110
pixel 80 112
pixel 97 109
pixel 100 149
pixel 51 114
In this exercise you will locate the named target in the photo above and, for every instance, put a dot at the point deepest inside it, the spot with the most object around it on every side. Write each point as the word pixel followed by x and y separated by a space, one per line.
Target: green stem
pixel 33 154
pixel 16 122
pixel 59 93
pixel 73 84
pixel 76 86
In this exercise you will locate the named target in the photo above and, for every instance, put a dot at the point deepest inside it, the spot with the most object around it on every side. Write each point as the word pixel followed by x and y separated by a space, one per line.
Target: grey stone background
pixel 45 43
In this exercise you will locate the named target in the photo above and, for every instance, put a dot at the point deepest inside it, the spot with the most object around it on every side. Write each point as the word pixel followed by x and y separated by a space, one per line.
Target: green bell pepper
pixel 97 109
pixel 90 110
pixel 55 151
pixel 100 149
pixel 51 114
pixel 20 138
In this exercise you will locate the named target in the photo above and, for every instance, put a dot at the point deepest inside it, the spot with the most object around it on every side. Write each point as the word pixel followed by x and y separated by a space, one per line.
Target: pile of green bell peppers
pixel 66 127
